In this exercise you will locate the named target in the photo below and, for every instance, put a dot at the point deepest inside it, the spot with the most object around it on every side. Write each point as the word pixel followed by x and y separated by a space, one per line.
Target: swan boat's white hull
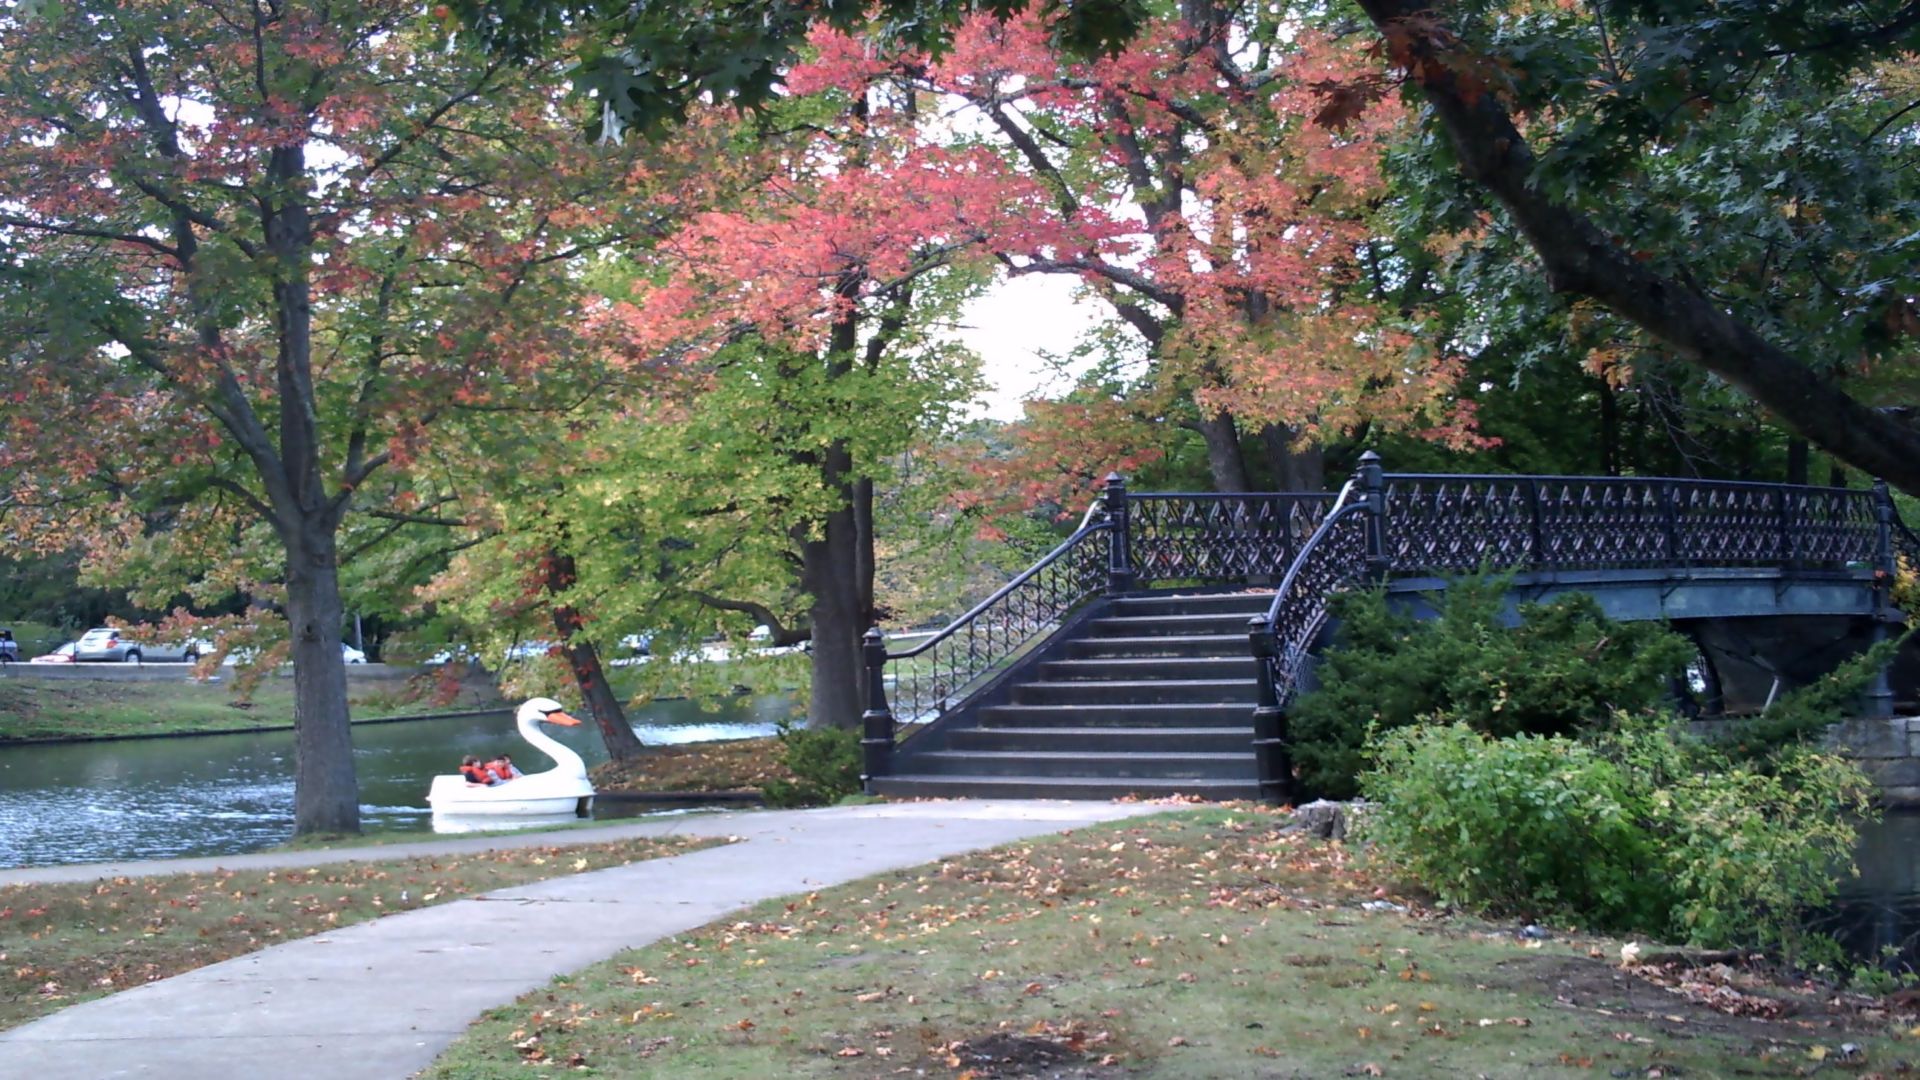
pixel 453 795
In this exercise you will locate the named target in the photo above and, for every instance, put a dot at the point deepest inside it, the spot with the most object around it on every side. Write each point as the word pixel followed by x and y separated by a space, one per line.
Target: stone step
pixel 1160 645
pixel 1175 668
pixel 921 786
pixel 1166 625
pixel 1138 692
pixel 1097 765
pixel 1190 715
pixel 1155 740
pixel 1244 604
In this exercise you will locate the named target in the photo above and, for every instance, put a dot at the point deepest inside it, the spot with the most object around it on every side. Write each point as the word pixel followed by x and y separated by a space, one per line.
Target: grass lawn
pixel 1200 944
pixel 34 709
pixel 68 943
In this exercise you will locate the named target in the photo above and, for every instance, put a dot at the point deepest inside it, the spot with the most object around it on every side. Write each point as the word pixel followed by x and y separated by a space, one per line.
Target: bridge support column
pixel 1886 570
pixel 1272 763
pixel 877 723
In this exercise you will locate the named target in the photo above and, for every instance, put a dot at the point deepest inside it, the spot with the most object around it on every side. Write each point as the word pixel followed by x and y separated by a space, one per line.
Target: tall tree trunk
pixel 1609 430
pixel 863 564
pixel 1224 459
pixel 1797 461
pixel 830 572
pixel 1295 468
pixel 326 792
pixel 584 661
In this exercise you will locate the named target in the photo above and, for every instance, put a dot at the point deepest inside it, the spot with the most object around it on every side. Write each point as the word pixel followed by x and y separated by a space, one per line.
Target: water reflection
pixel 1877 915
pixel 226 794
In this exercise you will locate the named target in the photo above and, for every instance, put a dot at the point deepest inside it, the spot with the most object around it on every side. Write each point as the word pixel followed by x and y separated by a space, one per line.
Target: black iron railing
pixel 1439 523
pixel 1210 539
pixel 1124 542
pixel 1414 524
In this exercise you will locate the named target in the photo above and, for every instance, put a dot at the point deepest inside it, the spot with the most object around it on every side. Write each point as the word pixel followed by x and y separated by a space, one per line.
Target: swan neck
pixel 563 756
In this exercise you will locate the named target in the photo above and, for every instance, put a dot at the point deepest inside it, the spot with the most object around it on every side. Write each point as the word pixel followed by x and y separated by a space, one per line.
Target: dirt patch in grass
pixel 732 765
pixel 1199 944
pixel 1751 1004
pixel 66 943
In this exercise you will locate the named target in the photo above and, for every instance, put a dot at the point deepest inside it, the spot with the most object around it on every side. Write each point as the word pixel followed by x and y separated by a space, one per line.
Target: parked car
pixel 347 652
pixel 61 655
pixel 104 643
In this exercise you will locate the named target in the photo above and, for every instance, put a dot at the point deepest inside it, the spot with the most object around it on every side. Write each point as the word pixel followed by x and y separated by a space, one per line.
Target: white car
pixel 347 653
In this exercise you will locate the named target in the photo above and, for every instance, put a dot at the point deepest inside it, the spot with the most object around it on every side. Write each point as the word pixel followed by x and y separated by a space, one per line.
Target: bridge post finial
pixel 1119 535
pixel 1273 766
pixel 1372 481
pixel 876 724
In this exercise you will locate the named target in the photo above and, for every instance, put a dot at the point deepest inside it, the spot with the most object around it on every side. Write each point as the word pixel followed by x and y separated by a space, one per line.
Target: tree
pixel 1193 194
pixel 1628 79
pixel 250 254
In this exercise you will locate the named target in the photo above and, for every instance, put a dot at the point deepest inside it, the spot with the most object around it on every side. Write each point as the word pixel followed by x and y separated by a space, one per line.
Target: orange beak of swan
pixel 562 719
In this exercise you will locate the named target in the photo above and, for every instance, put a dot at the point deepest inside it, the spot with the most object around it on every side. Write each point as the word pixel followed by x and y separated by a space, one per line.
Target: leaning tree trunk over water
pixel 584 661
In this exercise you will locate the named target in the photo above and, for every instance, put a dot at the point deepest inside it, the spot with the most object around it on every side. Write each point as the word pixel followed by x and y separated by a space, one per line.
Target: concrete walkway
pixel 383 998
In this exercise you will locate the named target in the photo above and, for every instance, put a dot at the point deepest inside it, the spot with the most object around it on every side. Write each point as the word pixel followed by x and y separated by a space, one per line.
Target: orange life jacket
pixel 500 769
pixel 476 774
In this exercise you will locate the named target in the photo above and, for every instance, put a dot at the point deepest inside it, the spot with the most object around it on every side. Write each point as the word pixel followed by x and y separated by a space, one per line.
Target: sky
pixel 1011 326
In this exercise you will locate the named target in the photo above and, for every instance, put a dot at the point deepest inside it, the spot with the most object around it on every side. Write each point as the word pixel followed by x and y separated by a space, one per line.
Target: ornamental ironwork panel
pixel 1445 524
pixel 1332 561
pixel 1218 539
pixel 925 681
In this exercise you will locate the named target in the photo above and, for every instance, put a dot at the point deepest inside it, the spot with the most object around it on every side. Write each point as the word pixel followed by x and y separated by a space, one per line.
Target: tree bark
pixel 830 573
pixel 326 792
pixel 1303 469
pixel 1581 260
pixel 1225 461
pixel 326 788
pixel 584 661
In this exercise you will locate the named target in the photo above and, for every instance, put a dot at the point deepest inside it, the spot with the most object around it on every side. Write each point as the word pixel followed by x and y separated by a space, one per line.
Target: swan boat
pixel 563 789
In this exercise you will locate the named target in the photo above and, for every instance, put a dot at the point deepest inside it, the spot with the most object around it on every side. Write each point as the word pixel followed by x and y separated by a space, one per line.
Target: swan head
pixel 542 710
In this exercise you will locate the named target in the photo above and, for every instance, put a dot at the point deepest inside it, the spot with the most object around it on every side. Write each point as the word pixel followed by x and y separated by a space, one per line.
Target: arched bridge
pixel 1156 650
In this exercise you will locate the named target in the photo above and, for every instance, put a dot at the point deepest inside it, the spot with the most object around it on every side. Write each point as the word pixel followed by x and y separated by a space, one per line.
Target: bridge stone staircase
pixel 1152 695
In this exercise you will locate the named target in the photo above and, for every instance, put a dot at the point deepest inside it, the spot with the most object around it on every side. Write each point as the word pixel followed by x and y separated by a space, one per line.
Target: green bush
pixel 1640 829
pixel 1563 669
pixel 825 763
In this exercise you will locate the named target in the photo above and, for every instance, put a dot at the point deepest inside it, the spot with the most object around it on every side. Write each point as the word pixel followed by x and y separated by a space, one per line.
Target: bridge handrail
pixel 1214 537
pixel 1335 556
pixel 1439 522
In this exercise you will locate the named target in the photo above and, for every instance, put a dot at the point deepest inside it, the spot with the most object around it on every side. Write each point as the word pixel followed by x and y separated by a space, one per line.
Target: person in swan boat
pixel 477 774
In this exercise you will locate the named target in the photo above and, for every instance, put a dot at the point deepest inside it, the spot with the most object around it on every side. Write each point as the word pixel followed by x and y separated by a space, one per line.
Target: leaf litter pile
pixel 1197 944
pixel 66 943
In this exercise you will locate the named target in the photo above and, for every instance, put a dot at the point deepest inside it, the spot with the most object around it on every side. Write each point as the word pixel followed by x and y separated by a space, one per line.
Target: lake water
pixel 226 794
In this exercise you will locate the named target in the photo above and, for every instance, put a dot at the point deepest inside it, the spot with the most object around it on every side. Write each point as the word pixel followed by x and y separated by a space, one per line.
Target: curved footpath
pixel 381 999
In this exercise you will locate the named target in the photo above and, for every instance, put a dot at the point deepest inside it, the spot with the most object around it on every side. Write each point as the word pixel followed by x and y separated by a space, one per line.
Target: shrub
pixel 1563 668
pixel 1640 829
pixel 825 763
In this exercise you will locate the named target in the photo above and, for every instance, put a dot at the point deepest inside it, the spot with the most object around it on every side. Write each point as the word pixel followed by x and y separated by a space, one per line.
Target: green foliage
pixel 1642 830
pixel 1803 714
pixel 825 763
pixel 1563 669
